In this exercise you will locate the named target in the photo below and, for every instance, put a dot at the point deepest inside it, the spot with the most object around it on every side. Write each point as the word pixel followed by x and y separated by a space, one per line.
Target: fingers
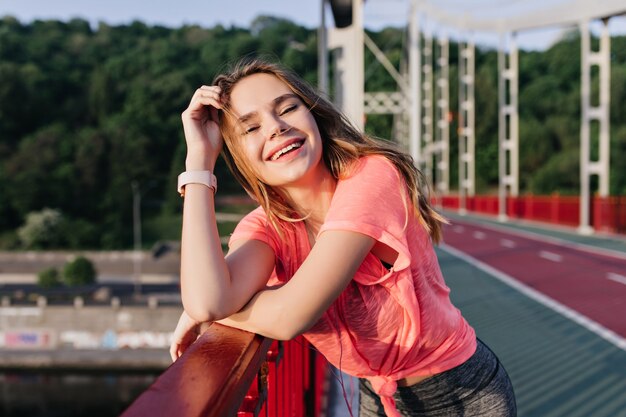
pixel 210 89
pixel 177 350
pixel 213 114
pixel 204 103
pixel 185 334
pixel 174 352
pixel 209 94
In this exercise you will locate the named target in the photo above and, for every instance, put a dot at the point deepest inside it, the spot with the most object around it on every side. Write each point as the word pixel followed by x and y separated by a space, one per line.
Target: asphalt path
pixel 588 280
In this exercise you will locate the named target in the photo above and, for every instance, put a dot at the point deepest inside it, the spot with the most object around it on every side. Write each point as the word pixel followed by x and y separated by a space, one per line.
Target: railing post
pixel 274 355
pixel 554 208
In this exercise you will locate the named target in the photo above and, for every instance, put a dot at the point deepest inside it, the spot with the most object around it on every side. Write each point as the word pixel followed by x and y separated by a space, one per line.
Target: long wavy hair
pixel 342 145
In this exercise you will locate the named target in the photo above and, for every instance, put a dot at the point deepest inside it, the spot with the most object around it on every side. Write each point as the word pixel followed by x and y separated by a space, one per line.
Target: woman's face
pixel 276 132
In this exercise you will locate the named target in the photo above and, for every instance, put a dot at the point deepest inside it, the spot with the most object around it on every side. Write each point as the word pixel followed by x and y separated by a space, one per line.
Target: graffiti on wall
pixel 28 339
pixel 78 339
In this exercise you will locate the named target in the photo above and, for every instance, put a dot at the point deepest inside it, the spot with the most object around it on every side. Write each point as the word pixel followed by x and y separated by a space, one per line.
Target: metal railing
pixel 608 214
pixel 230 372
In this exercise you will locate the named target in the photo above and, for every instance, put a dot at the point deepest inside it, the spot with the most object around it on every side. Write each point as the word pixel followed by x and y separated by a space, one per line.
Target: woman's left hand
pixel 186 332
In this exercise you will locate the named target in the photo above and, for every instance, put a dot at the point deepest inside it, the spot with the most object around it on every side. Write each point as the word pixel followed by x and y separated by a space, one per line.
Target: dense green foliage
pixel 84 112
pixel 77 272
pixel 49 278
pixel 42 229
pixel 80 271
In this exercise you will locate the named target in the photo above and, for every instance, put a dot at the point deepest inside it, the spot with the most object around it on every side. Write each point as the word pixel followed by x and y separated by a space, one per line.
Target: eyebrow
pixel 275 103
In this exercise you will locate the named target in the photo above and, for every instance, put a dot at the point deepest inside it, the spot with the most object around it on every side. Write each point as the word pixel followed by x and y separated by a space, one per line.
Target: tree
pixel 41 229
pixel 49 278
pixel 42 172
pixel 80 271
pixel 84 112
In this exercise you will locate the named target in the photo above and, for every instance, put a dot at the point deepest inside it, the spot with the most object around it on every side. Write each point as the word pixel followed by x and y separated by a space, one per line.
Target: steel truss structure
pixel 423 103
pixel 508 122
pixel 467 114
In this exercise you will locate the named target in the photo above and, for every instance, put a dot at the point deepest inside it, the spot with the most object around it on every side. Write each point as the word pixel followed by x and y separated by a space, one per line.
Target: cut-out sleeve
pixel 374 201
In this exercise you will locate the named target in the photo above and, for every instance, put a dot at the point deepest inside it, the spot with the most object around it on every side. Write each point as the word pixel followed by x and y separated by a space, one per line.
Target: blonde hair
pixel 343 145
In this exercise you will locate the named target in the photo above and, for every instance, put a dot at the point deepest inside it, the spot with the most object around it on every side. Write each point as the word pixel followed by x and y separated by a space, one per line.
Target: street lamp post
pixel 137 238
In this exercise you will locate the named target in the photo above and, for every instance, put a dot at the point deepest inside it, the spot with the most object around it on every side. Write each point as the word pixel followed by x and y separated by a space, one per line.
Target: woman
pixel 340 249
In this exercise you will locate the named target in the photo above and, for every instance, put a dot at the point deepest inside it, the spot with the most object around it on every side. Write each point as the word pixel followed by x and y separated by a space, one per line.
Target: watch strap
pixel 196 177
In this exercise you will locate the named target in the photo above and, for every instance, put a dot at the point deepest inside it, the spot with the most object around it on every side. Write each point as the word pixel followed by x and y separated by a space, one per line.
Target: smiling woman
pixel 269 110
pixel 340 249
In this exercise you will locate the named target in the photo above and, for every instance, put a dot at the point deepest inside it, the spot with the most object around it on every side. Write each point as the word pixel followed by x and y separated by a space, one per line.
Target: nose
pixel 276 127
pixel 280 132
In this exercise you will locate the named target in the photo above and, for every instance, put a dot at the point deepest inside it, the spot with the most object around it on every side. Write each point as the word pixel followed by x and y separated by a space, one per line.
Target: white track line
pixel 554 257
pixel 479 235
pixel 544 238
pixel 458 229
pixel 507 243
pixel 552 304
pixel 616 277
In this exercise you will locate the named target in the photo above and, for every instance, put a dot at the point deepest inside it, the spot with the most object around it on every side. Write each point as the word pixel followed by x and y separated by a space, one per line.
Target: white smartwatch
pixel 196 177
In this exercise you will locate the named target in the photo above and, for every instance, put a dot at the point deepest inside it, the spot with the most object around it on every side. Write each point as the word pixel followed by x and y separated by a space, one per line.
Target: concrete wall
pixel 68 336
pixel 115 263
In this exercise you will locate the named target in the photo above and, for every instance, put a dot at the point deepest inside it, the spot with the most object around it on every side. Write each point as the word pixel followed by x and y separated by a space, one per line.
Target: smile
pixel 282 151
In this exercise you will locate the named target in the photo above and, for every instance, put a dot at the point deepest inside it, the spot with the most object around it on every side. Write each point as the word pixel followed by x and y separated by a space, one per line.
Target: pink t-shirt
pixel 387 324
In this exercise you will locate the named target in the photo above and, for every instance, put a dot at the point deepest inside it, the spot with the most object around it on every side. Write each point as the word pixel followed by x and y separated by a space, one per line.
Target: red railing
pixel 229 372
pixel 554 209
pixel 608 214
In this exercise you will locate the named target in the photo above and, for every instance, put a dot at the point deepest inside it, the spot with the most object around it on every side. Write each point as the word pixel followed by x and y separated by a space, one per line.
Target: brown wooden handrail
pixel 209 380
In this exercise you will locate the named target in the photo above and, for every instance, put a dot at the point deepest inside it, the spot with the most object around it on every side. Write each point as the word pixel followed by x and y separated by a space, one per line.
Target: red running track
pixel 587 281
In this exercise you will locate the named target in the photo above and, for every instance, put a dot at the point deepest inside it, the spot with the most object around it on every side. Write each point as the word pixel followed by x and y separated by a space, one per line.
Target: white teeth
pixel 285 150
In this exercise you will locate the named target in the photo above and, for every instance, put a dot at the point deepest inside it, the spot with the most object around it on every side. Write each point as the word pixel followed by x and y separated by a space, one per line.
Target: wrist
pixel 199 162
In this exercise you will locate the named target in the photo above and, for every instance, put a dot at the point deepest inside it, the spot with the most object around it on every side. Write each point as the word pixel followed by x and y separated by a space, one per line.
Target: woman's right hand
pixel 201 127
pixel 186 332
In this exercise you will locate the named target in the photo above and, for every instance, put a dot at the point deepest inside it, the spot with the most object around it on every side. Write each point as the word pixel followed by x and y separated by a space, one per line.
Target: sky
pixel 208 13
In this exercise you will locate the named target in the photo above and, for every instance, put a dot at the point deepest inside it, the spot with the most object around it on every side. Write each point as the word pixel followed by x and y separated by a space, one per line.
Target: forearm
pixel 266 314
pixel 205 279
pixel 285 312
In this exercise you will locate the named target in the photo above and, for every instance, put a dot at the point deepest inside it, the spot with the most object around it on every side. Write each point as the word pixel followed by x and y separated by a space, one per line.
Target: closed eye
pixel 289 109
pixel 250 129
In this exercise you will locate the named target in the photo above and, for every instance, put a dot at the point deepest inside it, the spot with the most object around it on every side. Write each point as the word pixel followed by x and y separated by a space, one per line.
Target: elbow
pixel 204 305
pixel 290 326
pixel 201 312
pixel 197 314
pixel 290 331
pixel 284 334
